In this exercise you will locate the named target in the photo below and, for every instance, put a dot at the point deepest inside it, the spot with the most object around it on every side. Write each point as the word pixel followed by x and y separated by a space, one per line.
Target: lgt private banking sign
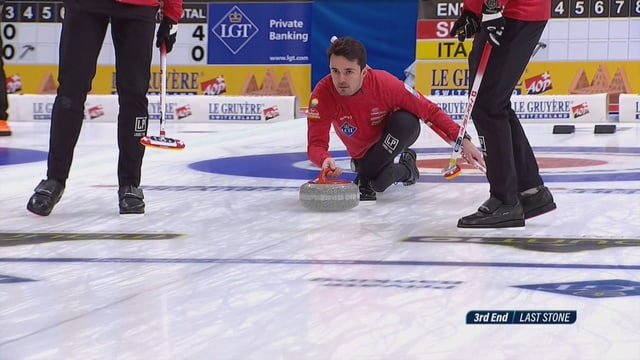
pixel 261 33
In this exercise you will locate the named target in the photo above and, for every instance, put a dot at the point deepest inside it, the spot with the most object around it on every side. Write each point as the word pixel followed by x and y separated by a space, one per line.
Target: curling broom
pixel 453 170
pixel 162 141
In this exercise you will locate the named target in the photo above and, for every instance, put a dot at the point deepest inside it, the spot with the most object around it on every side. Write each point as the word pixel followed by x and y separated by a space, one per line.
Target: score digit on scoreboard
pixel 191 47
pixel 31 30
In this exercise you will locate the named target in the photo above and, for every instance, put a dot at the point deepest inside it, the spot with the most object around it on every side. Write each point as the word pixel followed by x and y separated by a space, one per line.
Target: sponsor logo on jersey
pixel 312 113
pixel 140 128
pixel 347 129
pixel 390 143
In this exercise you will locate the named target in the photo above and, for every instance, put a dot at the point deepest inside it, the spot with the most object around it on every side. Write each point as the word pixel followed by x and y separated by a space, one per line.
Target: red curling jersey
pixel 170 8
pixel 524 10
pixel 359 119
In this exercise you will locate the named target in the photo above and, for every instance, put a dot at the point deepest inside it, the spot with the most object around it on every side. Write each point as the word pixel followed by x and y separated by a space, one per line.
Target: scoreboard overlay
pixel 588 47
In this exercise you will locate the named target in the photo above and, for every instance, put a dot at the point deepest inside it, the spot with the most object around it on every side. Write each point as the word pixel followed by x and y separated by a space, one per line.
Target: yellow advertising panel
pixel 443 49
pixel 286 80
pixel 563 77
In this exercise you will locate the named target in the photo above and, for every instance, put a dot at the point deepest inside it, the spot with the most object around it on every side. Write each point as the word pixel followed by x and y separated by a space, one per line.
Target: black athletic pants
pixel 401 131
pixel 511 164
pixel 83 31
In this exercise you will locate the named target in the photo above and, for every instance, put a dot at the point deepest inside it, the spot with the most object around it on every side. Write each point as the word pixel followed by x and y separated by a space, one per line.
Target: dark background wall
pixel 386 27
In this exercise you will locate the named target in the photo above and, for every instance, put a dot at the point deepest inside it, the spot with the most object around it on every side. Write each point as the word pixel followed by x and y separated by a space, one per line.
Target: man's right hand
pixel 493 21
pixel 166 33
pixel 330 163
pixel 466 26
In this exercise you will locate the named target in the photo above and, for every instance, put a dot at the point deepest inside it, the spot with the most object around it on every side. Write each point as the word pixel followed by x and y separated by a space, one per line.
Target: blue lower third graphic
pixel 556 317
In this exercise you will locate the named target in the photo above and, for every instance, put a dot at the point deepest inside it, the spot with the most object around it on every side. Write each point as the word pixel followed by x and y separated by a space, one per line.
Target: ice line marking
pixel 242 261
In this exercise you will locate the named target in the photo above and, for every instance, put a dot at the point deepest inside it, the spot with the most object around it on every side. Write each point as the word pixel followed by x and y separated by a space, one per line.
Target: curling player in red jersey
pixel 377 118
pixel 133 24
pixel 513 28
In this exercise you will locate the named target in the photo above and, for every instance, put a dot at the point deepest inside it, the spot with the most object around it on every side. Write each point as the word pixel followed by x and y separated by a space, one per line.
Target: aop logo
pixel 235 29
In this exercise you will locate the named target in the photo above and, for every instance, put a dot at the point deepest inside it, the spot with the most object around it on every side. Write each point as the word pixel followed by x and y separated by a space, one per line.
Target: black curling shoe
pixel 46 196
pixel 494 214
pixel 537 204
pixel 408 158
pixel 130 200
pixel 366 191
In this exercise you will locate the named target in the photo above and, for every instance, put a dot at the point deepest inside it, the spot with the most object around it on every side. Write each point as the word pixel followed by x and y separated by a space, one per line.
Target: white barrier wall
pixel 187 108
pixel 556 109
pixel 629 107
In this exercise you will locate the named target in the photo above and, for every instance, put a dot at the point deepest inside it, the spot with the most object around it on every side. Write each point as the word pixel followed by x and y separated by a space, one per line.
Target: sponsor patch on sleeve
pixel 313 113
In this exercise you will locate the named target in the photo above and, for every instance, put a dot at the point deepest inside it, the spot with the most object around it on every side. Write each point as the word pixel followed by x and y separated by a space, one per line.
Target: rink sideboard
pixel 553 109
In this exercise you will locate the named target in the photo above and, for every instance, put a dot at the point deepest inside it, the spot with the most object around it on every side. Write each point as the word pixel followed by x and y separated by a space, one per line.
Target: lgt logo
pixel 235 29
pixel 347 129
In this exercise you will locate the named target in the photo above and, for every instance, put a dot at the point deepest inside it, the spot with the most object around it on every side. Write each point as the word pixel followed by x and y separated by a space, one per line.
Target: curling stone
pixel 323 194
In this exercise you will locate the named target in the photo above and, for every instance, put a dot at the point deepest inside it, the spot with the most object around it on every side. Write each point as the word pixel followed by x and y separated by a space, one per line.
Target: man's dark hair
pixel 349 48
